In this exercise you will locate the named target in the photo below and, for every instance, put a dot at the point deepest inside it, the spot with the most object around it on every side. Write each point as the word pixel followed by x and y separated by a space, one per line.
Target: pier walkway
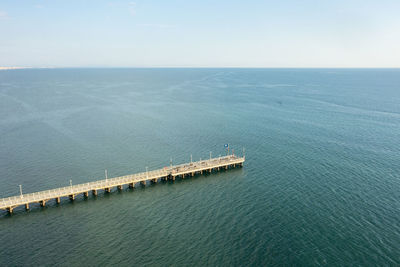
pixel 167 173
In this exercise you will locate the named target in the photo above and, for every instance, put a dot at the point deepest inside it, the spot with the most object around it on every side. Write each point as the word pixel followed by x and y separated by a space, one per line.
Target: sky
pixel 184 33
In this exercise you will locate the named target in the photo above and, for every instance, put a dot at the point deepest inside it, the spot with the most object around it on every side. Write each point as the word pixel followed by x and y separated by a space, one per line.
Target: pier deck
pixel 167 173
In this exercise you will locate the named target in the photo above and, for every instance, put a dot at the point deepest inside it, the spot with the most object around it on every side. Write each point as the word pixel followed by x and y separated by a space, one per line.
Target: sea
pixel 320 185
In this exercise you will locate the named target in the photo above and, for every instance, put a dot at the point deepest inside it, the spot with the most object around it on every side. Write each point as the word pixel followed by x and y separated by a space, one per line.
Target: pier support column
pixel 201 172
pixel 131 185
pixel 27 206
pixel 94 192
pixel 209 170
pixel 107 189
pixel 183 176
pixel 173 178
pixel 85 194
pixel 154 181
pixel 226 167
pixel 119 187
pixel 72 197
pixel 43 203
pixel 10 210
pixel 192 174
pixel 58 200
pixel 143 183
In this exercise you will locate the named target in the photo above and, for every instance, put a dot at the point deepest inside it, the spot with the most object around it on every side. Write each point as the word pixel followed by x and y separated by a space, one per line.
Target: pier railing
pixel 166 173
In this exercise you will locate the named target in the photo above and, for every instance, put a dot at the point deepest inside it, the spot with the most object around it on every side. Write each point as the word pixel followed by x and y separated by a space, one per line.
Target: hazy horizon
pixel 148 34
pixel 189 67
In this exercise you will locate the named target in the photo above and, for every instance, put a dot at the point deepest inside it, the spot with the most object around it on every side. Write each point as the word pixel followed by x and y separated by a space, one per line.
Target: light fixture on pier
pixel 20 190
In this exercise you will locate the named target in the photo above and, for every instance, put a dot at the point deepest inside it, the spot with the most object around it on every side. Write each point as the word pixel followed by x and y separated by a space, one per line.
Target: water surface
pixel 321 184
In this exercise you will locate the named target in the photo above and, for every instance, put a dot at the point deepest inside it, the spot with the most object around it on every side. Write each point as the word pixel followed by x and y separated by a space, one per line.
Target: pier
pixel 166 173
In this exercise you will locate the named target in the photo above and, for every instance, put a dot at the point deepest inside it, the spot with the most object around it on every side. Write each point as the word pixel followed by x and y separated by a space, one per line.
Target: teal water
pixel 320 186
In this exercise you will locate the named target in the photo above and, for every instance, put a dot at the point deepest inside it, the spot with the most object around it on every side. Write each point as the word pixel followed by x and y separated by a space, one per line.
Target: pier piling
pixel 167 173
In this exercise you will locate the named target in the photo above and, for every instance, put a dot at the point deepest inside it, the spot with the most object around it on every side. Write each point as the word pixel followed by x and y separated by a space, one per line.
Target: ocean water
pixel 320 185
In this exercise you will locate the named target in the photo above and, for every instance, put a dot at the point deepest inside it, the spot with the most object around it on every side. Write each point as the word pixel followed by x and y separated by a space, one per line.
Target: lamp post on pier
pixel 20 190
pixel 147 172
pixel 106 174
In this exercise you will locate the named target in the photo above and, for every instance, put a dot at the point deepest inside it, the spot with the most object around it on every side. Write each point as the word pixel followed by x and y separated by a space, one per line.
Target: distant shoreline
pixel 167 67
pixel 14 68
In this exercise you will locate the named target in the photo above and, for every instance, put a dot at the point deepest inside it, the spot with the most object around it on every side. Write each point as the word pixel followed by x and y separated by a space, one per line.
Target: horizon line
pixel 182 67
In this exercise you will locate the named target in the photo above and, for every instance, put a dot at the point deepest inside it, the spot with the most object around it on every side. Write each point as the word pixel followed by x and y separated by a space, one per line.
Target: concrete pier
pixel 182 170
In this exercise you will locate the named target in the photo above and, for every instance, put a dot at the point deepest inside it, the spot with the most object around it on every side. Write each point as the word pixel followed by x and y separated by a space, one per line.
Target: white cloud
pixel 161 26
pixel 132 8
pixel 123 7
pixel 3 15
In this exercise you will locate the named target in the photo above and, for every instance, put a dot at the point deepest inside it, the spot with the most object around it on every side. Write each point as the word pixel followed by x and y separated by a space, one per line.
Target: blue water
pixel 320 186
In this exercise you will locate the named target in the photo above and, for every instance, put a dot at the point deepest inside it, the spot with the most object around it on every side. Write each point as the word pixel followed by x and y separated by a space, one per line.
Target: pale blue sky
pixel 148 33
